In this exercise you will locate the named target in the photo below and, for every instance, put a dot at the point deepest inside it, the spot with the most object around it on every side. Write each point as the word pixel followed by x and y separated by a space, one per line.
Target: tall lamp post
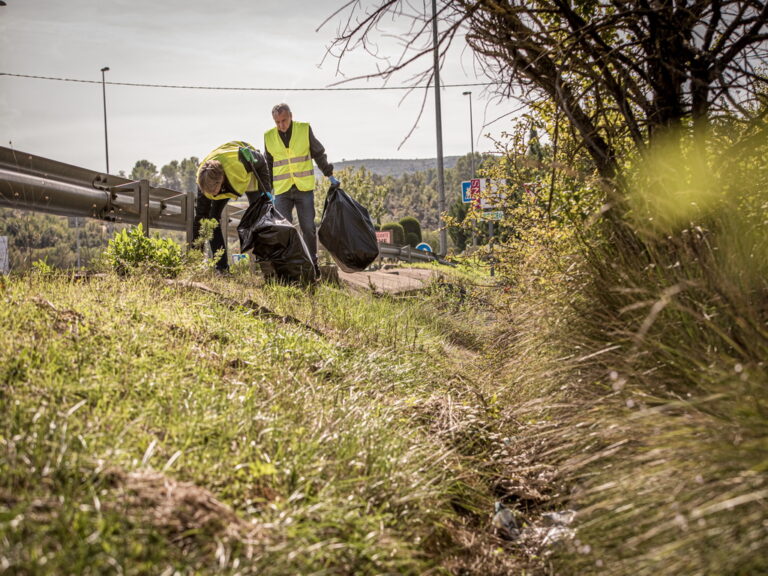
pixel 471 133
pixel 104 96
pixel 439 126
pixel 472 152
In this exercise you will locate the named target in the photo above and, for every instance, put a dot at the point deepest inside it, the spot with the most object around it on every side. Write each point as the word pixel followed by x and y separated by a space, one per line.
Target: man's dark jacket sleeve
pixel 317 151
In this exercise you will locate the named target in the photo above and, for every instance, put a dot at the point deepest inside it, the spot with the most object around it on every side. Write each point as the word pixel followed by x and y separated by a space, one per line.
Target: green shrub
pixel 42 268
pixel 131 251
pixel 398 234
pixel 412 230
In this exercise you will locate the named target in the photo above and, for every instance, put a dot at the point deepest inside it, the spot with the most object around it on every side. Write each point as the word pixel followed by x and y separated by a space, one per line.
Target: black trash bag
pixel 273 239
pixel 347 232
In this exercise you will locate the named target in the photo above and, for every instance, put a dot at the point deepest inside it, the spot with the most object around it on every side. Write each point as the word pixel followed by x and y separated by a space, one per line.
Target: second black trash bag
pixel 347 232
pixel 272 238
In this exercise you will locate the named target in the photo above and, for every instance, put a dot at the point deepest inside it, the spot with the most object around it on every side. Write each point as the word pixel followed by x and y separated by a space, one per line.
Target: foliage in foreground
pixel 131 250
pixel 646 342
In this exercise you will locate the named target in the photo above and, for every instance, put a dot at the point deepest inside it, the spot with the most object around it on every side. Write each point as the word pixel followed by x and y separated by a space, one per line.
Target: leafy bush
pixel 42 268
pixel 398 234
pixel 412 230
pixel 131 251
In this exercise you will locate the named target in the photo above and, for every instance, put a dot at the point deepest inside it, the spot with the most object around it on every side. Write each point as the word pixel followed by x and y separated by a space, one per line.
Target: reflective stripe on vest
pixel 238 177
pixel 292 165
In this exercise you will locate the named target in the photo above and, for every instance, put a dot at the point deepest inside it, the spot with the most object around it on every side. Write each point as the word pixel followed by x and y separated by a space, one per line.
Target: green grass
pixel 147 426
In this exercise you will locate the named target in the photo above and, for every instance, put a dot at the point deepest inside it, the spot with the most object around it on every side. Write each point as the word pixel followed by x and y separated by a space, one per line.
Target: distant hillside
pixel 396 166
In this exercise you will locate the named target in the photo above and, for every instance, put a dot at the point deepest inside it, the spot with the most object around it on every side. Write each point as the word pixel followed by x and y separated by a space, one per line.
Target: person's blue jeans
pixel 305 209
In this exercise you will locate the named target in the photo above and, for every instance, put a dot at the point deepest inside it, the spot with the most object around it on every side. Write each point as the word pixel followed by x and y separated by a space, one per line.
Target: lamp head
pixel 105 68
pixel 467 93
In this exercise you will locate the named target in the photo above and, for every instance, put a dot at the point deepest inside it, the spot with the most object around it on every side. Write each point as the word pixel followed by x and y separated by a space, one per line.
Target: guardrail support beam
pixel 225 226
pixel 143 198
pixel 188 208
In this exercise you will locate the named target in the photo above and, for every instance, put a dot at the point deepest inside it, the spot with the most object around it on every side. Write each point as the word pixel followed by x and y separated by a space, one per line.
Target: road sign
pixel 493 215
pixel 466 197
pixel 384 236
pixel 424 246
pixel 489 191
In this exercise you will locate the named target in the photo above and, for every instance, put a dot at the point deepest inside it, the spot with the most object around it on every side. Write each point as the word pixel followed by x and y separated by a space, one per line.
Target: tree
pixel 457 212
pixel 188 174
pixel 618 72
pixel 181 176
pixel 398 234
pixel 412 230
pixel 361 186
pixel 145 170
pixel 170 175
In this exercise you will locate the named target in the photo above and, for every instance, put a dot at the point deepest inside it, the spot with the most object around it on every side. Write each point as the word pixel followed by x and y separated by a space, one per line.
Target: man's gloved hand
pixel 334 183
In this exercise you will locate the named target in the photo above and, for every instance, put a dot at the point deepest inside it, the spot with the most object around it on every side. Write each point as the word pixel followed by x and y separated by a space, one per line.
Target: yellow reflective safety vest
pixel 238 177
pixel 291 165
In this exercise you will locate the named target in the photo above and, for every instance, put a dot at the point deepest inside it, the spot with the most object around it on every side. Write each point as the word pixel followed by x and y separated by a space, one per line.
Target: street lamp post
pixel 471 133
pixel 104 96
pixel 472 153
pixel 439 126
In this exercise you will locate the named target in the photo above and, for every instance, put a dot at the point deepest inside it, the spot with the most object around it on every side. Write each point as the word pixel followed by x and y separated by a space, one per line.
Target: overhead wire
pixel 242 88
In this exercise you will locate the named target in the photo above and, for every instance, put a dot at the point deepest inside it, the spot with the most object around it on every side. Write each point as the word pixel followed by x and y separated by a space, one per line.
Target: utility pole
pixel 439 124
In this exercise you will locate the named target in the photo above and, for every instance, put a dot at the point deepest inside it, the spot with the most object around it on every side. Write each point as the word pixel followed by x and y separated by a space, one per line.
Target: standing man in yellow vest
pixel 290 148
pixel 229 171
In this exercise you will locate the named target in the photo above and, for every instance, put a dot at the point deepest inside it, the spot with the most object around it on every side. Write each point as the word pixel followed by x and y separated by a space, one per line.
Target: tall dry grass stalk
pixel 650 396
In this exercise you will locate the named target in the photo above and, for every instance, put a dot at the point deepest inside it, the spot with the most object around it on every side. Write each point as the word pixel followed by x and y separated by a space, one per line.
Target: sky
pixel 221 43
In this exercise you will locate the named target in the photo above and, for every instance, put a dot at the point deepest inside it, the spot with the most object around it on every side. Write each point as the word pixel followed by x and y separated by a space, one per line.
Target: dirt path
pixel 391 281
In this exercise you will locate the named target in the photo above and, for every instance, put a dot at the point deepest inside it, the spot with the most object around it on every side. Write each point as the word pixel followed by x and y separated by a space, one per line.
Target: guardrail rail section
pixel 35 183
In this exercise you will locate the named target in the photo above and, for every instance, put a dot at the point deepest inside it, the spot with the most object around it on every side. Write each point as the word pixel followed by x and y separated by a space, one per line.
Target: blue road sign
pixel 466 197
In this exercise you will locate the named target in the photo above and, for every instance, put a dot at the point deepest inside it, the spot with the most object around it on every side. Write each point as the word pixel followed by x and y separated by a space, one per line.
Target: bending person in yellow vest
pixel 290 148
pixel 231 170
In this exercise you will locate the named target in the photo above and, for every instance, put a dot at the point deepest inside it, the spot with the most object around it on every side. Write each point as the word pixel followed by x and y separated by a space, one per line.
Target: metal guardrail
pixel 40 184
pixel 409 254
pixel 35 183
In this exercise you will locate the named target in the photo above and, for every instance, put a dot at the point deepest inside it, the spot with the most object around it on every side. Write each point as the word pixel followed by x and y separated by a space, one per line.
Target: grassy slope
pixel 147 426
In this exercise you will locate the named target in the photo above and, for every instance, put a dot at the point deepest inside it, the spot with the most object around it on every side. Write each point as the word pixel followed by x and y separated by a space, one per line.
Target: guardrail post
pixel 143 200
pixel 189 216
pixel 225 227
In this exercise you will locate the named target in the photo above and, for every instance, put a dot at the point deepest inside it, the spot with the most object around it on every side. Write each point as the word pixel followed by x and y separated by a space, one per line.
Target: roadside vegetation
pixel 598 405
pixel 158 418
pixel 149 424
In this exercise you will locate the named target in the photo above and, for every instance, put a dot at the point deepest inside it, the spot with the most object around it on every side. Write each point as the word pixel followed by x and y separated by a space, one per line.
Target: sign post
pixel 4 268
